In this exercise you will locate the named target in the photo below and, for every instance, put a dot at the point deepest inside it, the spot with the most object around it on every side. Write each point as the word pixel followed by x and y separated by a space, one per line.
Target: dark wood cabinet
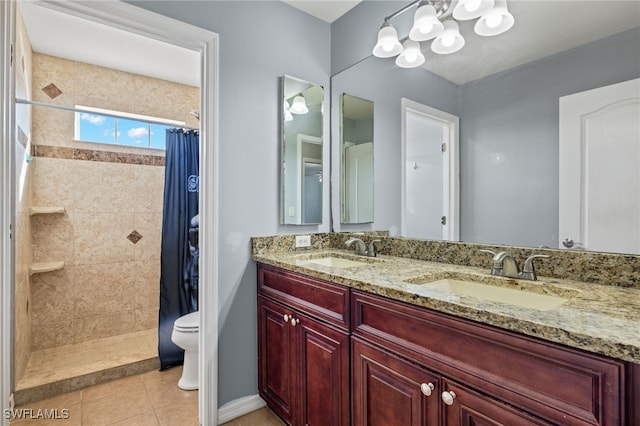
pixel 389 391
pixel 303 361
pixel 329 355
pixel 470 408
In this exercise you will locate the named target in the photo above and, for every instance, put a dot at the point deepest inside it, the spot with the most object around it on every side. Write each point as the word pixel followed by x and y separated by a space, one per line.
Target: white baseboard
pixel 239 407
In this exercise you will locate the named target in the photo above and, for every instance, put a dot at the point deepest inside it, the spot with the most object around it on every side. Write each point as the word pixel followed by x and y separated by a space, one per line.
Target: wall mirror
pixel 301 168
pixel 356 159
pixel 510 161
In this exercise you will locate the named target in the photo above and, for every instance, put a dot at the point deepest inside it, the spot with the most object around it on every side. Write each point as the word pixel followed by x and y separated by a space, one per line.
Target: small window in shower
pixel 120 128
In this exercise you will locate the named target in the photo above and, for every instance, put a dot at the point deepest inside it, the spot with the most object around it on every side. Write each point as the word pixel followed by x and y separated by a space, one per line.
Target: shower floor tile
pixel 66 368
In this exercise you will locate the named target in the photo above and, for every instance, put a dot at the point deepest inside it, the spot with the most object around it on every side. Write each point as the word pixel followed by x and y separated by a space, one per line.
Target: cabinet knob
pixel 448 397
pixel 286 317
pixel 426 388
pixel 294 321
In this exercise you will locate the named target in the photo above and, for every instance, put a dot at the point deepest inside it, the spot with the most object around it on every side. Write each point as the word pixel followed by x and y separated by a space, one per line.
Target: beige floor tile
pixel 131 385
pixel 144 419
pixel 260 417
pixel 168 376
pixel 115 406
pixel 179 413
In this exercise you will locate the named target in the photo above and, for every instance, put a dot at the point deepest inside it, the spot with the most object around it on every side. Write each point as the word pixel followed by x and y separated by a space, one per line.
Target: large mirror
pixel 508 103
pixel 301 176
pixel 356 155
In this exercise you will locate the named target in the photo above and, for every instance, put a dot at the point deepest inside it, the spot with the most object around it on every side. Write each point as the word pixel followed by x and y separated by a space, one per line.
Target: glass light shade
pixel 411 55
pixel 496 21
pixel 426 24
pixel 450 40
pixel 299 105
pixel 471 9
pixel 388 44
pixel 288 116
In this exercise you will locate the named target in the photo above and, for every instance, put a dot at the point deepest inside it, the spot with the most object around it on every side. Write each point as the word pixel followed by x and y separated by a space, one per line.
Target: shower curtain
pixel 177 284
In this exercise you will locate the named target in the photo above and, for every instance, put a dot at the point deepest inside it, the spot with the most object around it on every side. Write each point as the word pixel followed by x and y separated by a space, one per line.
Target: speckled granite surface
pixel 599 318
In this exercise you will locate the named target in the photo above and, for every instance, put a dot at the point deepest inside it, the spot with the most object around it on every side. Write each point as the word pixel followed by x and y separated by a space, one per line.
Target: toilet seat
pixel 189 323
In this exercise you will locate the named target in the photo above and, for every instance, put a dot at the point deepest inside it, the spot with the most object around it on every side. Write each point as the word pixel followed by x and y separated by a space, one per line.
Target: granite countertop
pixel 603 319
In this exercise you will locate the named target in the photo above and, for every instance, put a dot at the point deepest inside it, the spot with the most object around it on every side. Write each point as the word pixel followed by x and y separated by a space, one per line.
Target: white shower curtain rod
pixel 71 109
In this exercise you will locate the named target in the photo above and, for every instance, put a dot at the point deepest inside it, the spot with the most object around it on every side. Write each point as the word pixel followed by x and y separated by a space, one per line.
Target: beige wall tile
pixel 52 334
pixel 53 296
pixel 149 189
pixel 102 237
pixel 53 181
pixel 97 327
pixel 113 295
pixel 103 289
pixel 52 238
pixel 147 284
pixel 150 226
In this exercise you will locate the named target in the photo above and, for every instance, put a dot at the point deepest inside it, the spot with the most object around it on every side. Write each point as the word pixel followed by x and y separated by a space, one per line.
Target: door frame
pixel 451 173
pixel 130 18
pixel 302 139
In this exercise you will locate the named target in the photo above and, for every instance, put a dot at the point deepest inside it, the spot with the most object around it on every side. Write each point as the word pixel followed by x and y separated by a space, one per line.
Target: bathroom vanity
pixel 342 343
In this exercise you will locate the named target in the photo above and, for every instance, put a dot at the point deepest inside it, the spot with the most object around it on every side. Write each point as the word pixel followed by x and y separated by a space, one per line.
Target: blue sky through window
pixel 95 127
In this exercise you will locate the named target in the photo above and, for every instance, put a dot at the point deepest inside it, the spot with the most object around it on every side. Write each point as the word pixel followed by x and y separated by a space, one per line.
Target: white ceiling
pixel 65 36
pixel 327 10
pixel 542 28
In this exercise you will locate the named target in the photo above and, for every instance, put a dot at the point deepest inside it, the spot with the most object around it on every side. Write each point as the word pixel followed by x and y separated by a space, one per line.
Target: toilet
pixel 185 335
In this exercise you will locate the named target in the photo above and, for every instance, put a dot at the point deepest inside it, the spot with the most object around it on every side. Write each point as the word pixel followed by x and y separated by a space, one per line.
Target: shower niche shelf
pixel 42 267
pixel 47 210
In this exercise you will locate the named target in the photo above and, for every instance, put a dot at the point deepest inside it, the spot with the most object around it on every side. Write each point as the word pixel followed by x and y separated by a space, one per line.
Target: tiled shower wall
pixel 22 183
pixel 109 236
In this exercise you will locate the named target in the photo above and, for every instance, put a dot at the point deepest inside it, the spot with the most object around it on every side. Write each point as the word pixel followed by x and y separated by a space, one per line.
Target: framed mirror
pixel 356 159
pixel 301 144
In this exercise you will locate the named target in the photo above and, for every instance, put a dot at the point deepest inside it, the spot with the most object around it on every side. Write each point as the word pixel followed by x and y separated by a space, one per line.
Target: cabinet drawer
pixel 315 297
pixel 559 384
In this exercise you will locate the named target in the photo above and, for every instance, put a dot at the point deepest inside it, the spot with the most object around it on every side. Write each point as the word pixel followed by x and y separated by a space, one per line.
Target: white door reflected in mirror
pixel 600 169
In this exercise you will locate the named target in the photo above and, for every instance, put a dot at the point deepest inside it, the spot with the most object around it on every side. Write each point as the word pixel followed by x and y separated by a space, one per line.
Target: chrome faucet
pixel 505 265
pixel 361 248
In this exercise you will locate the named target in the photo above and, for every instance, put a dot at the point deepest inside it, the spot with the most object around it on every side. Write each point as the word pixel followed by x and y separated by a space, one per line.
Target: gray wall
pixel 259 42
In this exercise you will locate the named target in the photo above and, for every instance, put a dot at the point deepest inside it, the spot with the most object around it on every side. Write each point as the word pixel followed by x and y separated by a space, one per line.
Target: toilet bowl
pixel 185 335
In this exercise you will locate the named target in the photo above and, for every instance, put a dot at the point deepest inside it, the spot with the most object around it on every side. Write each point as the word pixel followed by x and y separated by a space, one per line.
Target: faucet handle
pixel 528 270
pixel 496 267
pixel 492 253
pixel 372 248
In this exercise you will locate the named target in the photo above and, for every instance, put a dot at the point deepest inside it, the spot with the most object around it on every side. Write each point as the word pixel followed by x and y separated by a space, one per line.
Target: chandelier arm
pixel 444 8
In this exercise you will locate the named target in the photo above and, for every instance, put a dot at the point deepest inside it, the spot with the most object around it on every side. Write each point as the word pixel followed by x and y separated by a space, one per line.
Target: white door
pixel 359 166
pixel 600 169
pixel 430 173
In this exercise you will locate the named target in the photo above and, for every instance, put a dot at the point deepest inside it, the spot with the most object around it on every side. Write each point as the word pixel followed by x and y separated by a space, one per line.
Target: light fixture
pixel 471 9
pixel 436 19
pixel 425 24
pixel 411 55
pixel 287 111
pixel 299 105
pixel 450 40
pixel 495 21
pixel 388 44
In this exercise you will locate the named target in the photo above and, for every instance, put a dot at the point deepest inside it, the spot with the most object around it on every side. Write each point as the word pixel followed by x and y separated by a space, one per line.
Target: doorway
pixel 429 173
pixel 139 21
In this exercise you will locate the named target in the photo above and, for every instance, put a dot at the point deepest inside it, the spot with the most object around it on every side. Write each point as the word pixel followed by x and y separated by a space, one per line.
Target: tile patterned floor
pixel 149 399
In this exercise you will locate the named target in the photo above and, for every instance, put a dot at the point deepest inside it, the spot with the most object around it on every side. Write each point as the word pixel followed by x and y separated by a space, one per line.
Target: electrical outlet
pixel 303 240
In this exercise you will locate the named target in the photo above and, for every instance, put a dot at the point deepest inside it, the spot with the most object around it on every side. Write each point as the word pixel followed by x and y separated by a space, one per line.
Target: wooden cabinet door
pixel 387 389
pixel 324 374
pixel 469 408
pixel 277 360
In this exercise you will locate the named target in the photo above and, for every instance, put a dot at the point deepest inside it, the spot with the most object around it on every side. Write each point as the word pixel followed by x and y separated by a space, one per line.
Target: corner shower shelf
pixel 41 267
pixel 46 210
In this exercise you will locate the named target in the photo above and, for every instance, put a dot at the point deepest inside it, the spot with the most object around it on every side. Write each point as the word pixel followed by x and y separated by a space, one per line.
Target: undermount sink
pixel 337 260
pixel 531 295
